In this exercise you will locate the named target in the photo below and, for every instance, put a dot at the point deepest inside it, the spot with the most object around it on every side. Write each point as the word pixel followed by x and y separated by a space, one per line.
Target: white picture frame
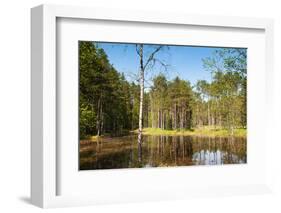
pixel 44 135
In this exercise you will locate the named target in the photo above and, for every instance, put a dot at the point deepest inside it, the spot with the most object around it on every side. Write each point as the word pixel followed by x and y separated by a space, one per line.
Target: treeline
pixel 223 102
pixel 104 98
pixel 170 104
pixel 110 105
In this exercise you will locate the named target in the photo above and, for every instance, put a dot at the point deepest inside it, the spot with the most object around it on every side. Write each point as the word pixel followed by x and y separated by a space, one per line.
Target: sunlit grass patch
pixel 206 131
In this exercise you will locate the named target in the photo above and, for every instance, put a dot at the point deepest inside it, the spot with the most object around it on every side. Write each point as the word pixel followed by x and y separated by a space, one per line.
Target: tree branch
pixel 137 50
pixel 151 57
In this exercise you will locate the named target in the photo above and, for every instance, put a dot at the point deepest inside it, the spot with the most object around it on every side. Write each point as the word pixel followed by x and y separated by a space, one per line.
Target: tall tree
pixel 144 62
pixel 109 104
pixel 105 104
pixel 229 71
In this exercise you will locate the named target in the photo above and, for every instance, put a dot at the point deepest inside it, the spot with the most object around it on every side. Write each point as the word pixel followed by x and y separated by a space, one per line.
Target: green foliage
pixel 226 94
pixel 105 102
pixel 87 121
pixel 109 104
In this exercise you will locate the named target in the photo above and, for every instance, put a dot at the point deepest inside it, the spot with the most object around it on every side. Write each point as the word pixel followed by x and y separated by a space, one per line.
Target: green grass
pixel 208 131
pixel 204 131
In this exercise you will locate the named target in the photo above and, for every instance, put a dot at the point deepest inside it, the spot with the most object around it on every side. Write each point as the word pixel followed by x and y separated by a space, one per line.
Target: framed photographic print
pixel 130 106
pixel 147 105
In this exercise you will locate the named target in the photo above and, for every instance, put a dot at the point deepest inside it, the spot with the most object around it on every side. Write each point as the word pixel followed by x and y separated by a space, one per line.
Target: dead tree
pixel 150 61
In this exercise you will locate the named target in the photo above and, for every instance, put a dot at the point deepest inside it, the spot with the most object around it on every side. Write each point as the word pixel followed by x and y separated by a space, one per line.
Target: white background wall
pixel 15 104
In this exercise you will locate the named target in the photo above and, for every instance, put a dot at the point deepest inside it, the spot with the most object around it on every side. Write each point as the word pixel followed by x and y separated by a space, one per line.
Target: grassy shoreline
pixel 210 132
pixel 200 132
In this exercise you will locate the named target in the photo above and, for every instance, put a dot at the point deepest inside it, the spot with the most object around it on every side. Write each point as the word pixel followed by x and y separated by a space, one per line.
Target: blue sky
pixel 183 61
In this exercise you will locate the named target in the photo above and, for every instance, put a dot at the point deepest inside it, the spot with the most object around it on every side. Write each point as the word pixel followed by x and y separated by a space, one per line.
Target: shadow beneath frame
pixel 26 199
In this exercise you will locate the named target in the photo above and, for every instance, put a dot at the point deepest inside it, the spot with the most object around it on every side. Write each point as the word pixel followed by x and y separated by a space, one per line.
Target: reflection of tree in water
pixel 220 151
pixel 140 152
pixel 158 151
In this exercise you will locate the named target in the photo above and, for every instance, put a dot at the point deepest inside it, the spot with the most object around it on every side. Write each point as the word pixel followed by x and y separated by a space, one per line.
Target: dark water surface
pixel 161 151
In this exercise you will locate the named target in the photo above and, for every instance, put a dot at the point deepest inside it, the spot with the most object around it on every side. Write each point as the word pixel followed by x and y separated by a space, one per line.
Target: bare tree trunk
pixel 143 66
pixel 99 118
pixel 151 110
pixel 158 118
pixel 181 118
pixel 139 152
pixel 163 119
pixel 132 117
pixel 175 116
pixel 208 111
pixel 141 93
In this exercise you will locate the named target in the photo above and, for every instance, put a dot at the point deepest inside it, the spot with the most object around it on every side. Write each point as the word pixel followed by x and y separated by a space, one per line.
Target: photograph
pixel 147 105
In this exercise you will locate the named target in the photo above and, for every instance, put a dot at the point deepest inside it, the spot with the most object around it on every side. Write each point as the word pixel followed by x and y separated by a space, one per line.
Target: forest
pixel 111 105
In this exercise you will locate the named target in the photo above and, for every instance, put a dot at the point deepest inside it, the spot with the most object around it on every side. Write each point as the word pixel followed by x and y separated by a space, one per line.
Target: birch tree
pixel 145 60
